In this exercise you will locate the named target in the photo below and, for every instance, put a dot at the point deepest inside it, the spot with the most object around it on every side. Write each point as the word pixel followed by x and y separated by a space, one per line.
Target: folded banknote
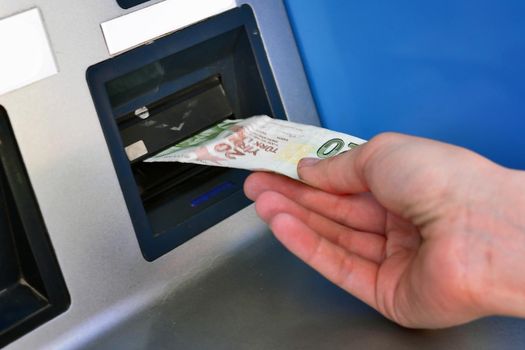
pixel 258 143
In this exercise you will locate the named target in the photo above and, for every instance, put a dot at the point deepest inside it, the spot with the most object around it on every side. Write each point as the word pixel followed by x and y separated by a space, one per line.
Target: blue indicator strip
pixel 214 192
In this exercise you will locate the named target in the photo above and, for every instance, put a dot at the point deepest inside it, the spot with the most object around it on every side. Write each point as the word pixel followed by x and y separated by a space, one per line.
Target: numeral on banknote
pixel 330 148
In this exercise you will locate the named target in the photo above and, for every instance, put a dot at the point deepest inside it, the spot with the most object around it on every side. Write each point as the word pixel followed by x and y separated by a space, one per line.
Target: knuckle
pixel 343 239
pixel 315 253
pixel 269 204
pixel 386 138
pixel 345 270
pixel 371 155
pixel 341 210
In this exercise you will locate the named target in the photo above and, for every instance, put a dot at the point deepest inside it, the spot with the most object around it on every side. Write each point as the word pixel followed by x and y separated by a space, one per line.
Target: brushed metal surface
pixel 264 298
pixel 231 286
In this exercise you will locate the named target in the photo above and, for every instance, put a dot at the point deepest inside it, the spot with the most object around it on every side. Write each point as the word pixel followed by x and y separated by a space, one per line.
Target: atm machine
pixel 101 250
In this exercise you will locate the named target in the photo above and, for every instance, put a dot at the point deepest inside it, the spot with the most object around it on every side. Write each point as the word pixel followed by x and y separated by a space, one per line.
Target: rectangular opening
pixel 174 118
pixel 32 290
pixel 157 95
pixel 126 4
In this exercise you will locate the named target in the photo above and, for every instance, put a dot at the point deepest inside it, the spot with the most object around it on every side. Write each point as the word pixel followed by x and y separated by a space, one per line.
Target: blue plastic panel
pixel 448 69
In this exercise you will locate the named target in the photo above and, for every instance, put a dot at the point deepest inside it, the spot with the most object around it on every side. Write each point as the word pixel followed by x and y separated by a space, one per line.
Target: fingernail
pixel 306 162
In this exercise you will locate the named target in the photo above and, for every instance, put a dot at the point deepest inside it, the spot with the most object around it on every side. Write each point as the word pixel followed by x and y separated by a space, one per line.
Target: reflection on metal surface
pixel 264 298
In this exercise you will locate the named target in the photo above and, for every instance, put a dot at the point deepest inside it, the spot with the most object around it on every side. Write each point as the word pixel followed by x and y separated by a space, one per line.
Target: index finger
pixel 351 272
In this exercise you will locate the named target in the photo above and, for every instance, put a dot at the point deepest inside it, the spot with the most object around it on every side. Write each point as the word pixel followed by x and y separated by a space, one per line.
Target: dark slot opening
pixel 175 118
pixel 159 94
pixel 32 290
pixel 167 122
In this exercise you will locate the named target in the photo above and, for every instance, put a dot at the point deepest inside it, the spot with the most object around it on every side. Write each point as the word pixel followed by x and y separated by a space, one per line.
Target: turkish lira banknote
pixel 258 143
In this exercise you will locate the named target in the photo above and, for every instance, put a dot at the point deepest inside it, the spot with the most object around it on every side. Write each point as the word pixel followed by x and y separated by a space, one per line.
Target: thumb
pixel 399 170
pixel 381 166
pixel 341 174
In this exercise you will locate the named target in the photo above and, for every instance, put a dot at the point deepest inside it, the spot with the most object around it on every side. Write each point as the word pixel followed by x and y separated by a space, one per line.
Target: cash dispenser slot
pixel 165 123
pixel 157 95
pixel 32 290
pixel 174 118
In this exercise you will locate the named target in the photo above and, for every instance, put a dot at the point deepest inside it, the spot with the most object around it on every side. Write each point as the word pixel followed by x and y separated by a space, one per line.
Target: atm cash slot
pixel 157 95
pixel 174 118
pixel 157 180
pixel 165 123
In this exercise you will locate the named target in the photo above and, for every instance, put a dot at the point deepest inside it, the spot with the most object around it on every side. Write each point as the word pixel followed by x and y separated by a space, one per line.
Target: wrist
pixel 503 231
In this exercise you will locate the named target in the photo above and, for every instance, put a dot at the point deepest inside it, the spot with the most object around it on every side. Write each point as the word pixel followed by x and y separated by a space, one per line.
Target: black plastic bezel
pixel 31 224
pixel 152 245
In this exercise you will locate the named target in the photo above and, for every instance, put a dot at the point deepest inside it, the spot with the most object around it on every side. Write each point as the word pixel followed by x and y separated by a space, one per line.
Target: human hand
pixel 430 235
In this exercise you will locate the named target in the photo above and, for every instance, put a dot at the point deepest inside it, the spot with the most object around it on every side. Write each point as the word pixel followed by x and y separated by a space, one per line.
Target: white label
pixel 152 22
pixel 26 55
pixel 136 150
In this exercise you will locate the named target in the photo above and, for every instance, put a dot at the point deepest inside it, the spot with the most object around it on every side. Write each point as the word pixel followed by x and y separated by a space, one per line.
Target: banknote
pixel 258 143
